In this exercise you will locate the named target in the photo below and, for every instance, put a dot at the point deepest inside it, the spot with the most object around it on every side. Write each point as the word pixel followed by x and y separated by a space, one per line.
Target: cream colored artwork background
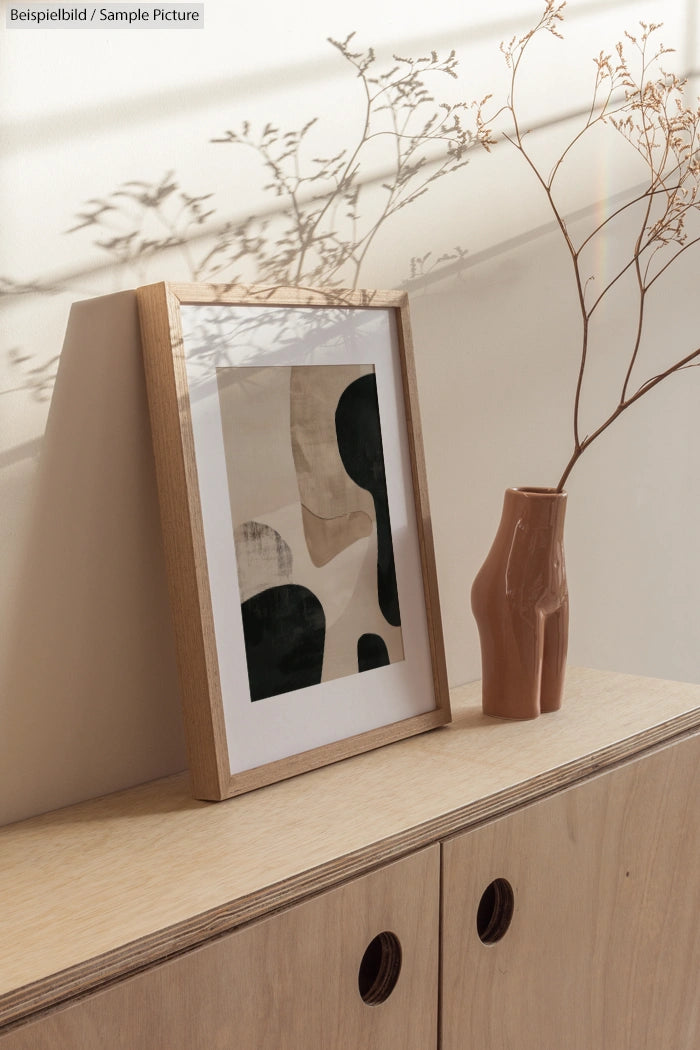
pixel 88 696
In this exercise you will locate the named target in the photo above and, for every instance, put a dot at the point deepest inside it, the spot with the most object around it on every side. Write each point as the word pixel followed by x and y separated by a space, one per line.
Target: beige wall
pixel 503 417
pixel 87 685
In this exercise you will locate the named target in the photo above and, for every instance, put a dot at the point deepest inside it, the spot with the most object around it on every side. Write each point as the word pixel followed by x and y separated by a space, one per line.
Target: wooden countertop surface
pixel 108 886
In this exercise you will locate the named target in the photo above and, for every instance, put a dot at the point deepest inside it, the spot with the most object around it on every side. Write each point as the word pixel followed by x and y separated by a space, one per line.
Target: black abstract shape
pixel 360 445
pixel 371 652
pixel 284 629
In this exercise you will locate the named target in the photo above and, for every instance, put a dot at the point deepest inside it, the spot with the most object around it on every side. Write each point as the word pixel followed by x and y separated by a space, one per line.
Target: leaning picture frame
pixel 296 526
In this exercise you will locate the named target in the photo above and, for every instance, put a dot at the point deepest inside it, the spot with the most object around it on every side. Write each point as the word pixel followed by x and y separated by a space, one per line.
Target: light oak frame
pixel 183 534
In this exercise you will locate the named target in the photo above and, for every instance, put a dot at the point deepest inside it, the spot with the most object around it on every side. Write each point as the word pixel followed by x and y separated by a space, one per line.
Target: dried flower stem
pixel 653 117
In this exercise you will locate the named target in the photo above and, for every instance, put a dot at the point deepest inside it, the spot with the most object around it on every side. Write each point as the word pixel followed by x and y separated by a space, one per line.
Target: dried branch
pixel 634 95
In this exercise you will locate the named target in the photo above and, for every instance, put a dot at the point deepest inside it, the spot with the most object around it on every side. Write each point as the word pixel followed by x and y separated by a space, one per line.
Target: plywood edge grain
pixel 174 940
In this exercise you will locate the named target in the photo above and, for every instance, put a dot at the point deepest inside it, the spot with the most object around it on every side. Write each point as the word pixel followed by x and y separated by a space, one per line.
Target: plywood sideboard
pixel 492 884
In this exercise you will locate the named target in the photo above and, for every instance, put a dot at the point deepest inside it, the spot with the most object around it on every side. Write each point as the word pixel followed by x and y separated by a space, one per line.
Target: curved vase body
pixel 521 605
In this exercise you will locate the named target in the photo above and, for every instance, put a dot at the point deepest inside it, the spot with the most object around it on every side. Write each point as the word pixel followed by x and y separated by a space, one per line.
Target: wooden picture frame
pixel 296 526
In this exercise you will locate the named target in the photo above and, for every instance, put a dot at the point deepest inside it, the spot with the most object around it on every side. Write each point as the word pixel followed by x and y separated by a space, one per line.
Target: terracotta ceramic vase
pixel 521 605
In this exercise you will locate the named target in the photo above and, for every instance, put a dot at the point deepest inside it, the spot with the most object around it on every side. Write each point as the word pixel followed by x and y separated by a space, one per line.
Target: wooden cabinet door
pixel 288 982
pixel 603 949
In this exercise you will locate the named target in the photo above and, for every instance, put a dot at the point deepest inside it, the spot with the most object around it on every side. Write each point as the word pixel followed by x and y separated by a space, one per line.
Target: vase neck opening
pixel 539 506
pixel 535 490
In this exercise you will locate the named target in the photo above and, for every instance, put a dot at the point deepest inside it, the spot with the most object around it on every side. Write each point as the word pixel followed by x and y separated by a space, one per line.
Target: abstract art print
pixel 296 526
pixel 311 523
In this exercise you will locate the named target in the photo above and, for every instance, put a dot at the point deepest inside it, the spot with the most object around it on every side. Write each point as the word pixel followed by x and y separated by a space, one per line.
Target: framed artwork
pixel 296 526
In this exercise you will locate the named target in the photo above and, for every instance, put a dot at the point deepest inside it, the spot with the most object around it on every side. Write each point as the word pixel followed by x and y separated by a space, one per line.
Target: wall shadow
pixel 91 693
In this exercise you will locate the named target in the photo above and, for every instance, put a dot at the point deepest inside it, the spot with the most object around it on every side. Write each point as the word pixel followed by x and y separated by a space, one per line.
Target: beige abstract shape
pixel 326 538
pixel 333 584
pixel 361 615
pixel 327 493
pixel 264 559
pixel 254 406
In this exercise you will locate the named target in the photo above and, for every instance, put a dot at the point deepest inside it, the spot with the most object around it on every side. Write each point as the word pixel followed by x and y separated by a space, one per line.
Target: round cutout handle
pixel 380 968
pixel 495 911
